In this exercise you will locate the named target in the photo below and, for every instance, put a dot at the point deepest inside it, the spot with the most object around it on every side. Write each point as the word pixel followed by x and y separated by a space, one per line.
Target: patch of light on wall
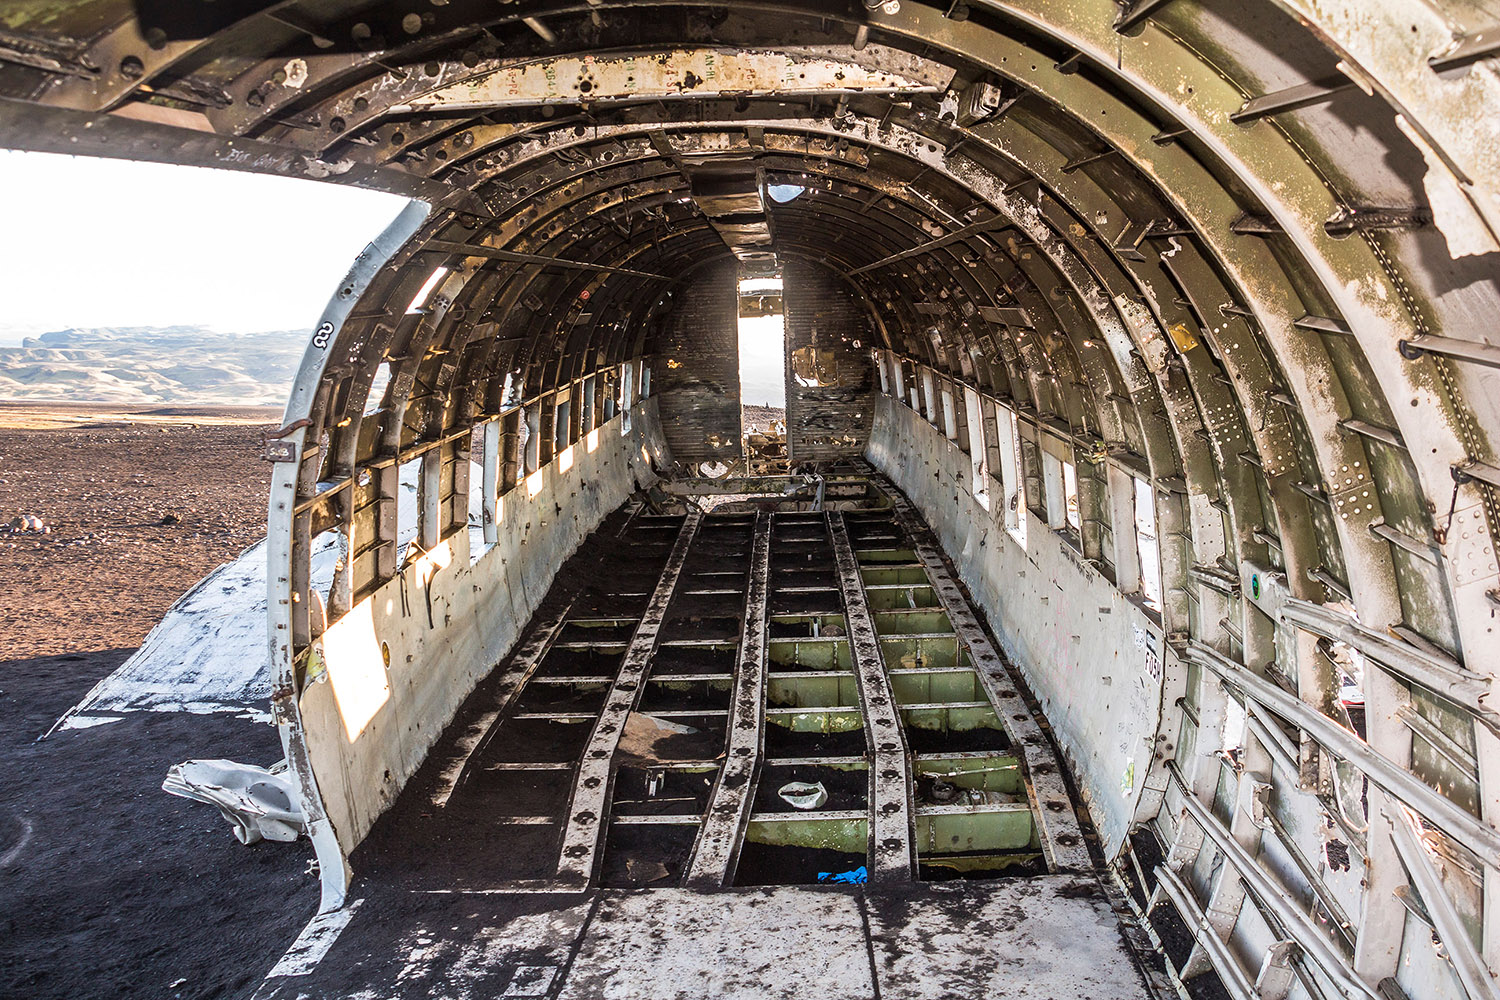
pixel 420 299
pixel 783 193
pixel 760 286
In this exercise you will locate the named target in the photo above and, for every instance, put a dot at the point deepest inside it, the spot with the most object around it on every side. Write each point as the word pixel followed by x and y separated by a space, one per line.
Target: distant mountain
pixel 153 364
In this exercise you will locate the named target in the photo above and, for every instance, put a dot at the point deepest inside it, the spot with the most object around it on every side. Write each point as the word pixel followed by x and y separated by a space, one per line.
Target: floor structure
pixel 758 750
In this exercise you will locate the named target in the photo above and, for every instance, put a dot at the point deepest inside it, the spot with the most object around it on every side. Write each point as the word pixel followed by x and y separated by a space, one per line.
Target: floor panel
pixel 1048 937
pixel 657 797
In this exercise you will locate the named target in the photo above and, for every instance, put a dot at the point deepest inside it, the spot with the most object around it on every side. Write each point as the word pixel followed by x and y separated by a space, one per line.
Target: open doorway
pixel 762 332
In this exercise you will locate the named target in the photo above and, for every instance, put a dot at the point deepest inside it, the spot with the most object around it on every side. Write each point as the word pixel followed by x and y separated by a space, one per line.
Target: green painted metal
pixel 808 654
pixel 919 652
pixel 888 598
pixel 957 829
pixel 985 772
pixel 912 623
pixel 836 719
pixel 953 718
pixel 811 690
pixel 915 687
pixel 874 556
pixel 848 832
pixel 885 575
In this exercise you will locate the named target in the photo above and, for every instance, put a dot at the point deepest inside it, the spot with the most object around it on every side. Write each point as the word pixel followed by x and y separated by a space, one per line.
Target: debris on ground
pixel 802 795
pixel 260 803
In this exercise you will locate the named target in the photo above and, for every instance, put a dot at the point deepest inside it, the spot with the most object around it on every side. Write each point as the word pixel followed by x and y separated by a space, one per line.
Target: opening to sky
pixel 762 350
pixel 106 243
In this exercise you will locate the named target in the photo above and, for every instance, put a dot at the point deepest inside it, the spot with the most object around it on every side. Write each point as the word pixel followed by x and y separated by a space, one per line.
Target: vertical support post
pixel 589 411
pixel 341 591
pixel 429 498
pixel 456 509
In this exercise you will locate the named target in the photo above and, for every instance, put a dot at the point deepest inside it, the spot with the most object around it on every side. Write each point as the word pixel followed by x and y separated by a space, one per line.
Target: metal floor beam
pixel 521 665
pixel 1052 806
pixel 718 843
pixel 891 855
pixel 591 791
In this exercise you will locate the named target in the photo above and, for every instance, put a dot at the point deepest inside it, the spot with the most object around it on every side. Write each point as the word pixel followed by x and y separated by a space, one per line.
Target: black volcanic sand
pixel 109 887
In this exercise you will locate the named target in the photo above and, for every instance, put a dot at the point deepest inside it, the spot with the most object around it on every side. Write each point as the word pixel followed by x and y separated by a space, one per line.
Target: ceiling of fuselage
pixel 1020 198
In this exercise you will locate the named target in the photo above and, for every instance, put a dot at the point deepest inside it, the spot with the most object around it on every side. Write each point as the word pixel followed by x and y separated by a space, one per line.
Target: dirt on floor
pixel 108 886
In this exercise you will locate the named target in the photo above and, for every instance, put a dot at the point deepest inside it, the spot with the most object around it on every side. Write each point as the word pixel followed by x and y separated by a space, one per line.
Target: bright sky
pixel 762 361
pixel 90 242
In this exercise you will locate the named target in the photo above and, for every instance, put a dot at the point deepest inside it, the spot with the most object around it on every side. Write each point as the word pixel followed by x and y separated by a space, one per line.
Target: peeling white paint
pixel 315 941
pixel 208 653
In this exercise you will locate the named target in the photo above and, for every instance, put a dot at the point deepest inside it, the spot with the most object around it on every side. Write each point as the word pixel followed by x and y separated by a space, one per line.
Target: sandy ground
pixel 758 418
pixel 108 886
pixel 104 481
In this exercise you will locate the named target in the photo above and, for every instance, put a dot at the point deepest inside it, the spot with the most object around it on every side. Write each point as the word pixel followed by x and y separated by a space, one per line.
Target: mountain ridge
pixel 184 364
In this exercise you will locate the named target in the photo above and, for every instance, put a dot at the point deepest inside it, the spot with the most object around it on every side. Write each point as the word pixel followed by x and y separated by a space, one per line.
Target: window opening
pixel 763 373
pixel 562 425
pixel 1070 496
pixel 1010 474
pixel 589 414
pixel 1145 540
pixel 419 301
pixel 531 439
pixel 627 394
pixel 979 458
pixel 484 502
pixel 408 509
pixel 1052 488
pixel 376 399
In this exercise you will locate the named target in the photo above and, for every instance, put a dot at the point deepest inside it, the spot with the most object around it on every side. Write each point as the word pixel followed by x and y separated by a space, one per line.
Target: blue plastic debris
pixel 856 877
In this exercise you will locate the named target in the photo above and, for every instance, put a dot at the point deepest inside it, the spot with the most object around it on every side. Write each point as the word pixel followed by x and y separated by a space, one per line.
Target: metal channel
pixel 1233 974
pixel 580 845
pixel 1052 806
pixel 712 864
pixel 1271 895
pixel 890 772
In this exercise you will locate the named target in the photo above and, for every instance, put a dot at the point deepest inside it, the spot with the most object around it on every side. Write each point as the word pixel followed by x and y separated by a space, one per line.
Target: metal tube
pixel 1275 898
pixel 1464 826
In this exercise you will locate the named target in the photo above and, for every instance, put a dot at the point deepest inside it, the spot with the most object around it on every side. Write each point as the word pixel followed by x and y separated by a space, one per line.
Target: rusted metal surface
pixel 679 74
pixel 589 805
pixel 890 763
pixel 714 854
